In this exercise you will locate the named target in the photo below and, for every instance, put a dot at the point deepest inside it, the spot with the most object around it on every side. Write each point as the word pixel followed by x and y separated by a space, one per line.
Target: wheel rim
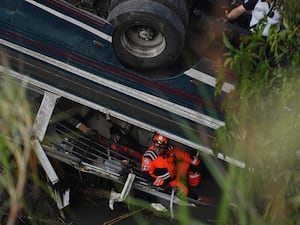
pixel 143 41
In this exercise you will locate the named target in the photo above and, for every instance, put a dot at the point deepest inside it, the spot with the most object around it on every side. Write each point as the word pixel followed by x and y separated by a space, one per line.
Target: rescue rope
pixel 124 216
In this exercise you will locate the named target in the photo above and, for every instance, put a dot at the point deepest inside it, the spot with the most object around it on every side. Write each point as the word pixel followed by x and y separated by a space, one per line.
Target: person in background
pixel 119 141
pixel 123 143
pixel 259 10
pixel 167 166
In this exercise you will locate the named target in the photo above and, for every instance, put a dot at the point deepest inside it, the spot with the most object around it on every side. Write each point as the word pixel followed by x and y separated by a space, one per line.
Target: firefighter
pixel 166 165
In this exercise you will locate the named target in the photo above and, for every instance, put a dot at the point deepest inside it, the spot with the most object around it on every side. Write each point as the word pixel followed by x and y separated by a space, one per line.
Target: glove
pixel 166 186
pixel 195 161
pixel 158 182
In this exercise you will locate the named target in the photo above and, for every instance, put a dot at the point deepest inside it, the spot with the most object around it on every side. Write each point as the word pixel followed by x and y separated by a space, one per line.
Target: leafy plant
pixel 23 194
pixel 15 146
pixel 262 126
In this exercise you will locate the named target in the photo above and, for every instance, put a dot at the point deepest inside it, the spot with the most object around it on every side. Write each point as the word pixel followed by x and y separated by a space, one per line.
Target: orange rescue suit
pixel 171 167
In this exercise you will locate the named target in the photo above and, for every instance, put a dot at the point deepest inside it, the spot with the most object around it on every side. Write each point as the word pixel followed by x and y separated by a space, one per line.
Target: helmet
pixel 160 140
pixel 194 179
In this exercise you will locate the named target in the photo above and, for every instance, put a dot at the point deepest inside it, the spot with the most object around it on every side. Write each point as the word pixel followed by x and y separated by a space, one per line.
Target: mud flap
pixel 120 197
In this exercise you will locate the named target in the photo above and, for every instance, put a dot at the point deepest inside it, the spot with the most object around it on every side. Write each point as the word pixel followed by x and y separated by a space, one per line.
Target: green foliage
pixel 22 192
pixel 15 146
pixel 262 126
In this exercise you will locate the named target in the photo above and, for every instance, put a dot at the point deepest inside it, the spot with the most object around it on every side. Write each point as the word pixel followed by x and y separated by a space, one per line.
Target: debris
pixel 158 207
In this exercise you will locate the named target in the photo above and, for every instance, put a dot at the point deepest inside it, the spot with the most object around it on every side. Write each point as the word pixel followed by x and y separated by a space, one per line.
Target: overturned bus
pixel 72 57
